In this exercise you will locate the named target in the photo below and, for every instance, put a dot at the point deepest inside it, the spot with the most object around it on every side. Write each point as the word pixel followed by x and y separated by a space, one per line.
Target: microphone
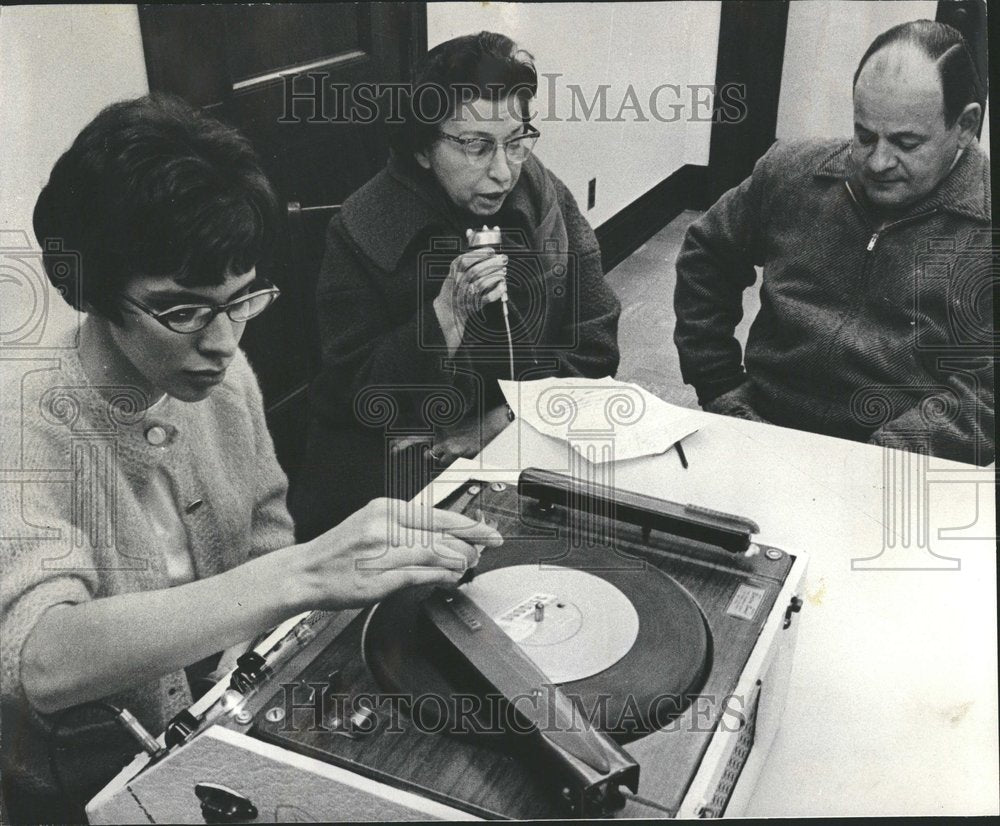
pixel 487 237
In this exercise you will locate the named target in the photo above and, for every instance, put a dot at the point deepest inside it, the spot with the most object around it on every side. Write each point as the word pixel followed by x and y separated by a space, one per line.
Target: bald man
pixel 876 298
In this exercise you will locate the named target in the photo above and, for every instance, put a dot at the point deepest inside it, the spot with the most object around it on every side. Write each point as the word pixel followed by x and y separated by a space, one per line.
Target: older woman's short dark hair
pixel 943 44
pixel 486 66
pixel 154 187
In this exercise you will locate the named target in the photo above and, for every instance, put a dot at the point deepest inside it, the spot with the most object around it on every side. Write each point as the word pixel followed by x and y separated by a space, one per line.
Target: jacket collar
pixel 965 190
pixel 403 200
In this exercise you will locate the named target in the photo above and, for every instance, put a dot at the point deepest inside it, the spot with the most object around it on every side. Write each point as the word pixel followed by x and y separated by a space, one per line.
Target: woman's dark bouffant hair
pixel 153 187
pixel 485 65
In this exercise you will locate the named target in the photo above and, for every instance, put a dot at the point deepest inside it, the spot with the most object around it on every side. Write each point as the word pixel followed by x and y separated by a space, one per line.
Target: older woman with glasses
pixel 417 323
pixel 149 527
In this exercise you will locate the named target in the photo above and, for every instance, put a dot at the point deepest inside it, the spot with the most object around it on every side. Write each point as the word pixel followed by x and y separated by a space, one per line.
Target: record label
pixel 571 623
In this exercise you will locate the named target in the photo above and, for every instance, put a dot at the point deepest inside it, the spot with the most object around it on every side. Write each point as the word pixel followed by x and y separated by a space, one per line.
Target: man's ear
pixel 968 124
pixel 423 159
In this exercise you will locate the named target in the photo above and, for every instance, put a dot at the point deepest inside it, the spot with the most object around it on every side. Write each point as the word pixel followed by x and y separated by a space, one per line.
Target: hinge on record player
pixel 693 522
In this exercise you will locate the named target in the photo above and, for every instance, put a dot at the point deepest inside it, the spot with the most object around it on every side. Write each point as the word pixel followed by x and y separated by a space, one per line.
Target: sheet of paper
pixel 627 417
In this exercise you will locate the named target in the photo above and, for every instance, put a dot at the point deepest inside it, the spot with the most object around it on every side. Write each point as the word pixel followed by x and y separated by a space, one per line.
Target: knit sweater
pixel 863 333
pixel 387 253
pixel 76 463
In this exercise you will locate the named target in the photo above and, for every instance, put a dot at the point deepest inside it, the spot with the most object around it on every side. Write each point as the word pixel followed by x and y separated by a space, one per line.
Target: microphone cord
pixel 506 324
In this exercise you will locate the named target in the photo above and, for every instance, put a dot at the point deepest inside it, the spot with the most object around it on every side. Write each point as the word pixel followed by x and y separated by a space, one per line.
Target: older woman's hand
pixel 470 437
pixel 476 278
pixel 387 545
pixel 466 439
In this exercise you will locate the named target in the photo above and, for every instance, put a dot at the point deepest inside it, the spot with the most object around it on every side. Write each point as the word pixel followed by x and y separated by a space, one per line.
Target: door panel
pixel 751 53
pixel 262 39
pixel 969 17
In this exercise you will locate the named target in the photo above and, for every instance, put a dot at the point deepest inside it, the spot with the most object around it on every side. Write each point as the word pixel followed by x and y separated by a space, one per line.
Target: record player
pixel 619 655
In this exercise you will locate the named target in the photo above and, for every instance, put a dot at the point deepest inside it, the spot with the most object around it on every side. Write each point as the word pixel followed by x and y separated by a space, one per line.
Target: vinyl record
pixel 635 693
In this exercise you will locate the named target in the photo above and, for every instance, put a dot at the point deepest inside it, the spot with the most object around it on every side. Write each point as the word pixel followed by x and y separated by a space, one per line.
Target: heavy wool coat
pixel 386 371
pixel 387 253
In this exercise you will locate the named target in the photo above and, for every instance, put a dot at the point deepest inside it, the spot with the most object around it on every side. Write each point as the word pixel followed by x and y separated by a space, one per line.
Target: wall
pixel 61 65
pixel 623 45
pixel 832 34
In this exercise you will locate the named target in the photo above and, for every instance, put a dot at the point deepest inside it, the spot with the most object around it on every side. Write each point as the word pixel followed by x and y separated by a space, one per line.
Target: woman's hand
pixel 469 438
pixel 387 545
pixel 475 278
pixel 466 439
pixel 79 652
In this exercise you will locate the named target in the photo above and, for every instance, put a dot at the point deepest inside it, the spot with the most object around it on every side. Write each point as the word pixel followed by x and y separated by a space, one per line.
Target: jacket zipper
pixel 879 232
pixel 869 249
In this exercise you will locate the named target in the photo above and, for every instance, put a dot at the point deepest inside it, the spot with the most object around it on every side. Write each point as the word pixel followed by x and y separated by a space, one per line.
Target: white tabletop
pixel 892 707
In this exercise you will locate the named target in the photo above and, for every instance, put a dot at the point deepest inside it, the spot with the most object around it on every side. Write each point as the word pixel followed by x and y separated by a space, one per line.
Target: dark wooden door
pixel 969 17
pixel 751 54
pixel 282 74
